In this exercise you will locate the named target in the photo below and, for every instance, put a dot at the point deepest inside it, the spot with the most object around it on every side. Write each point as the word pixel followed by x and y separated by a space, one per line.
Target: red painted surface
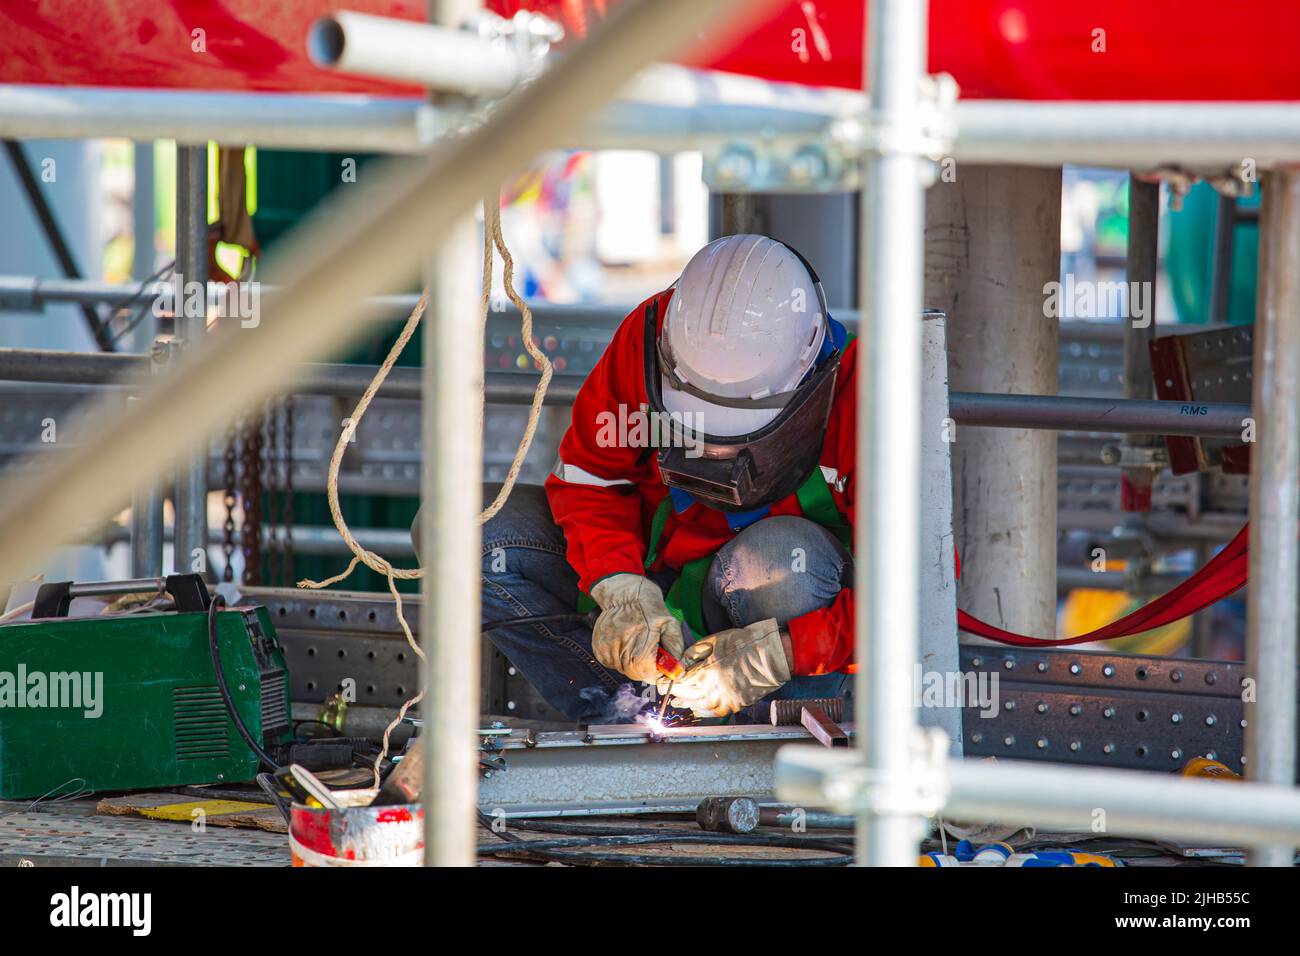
pixel 1030 49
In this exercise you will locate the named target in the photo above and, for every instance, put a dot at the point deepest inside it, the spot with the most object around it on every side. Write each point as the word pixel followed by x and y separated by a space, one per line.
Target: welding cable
pixel 594 850
pixel 775 841
pixel 635 859
pixel 219 602
pixel 589 842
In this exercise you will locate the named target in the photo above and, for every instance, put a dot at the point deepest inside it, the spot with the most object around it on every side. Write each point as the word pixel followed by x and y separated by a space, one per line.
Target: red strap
pixel 1222 575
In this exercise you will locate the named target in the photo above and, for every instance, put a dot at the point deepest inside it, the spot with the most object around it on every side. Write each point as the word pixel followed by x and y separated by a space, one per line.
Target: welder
pixel 703 500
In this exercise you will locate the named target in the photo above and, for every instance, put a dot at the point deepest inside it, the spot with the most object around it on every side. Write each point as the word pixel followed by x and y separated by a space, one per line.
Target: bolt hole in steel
pixel 1143 715
pixel 1141 751
pixel 1142 673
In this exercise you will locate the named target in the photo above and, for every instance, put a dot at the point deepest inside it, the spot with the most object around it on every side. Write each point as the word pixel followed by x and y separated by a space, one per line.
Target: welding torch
pixel 675 670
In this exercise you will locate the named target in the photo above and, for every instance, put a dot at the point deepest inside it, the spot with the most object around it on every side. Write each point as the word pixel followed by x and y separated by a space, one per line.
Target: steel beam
pixel 1274 569
pixel 624 769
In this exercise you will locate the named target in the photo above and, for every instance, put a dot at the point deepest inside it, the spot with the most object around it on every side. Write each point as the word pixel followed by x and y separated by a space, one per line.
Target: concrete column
pixel 992 242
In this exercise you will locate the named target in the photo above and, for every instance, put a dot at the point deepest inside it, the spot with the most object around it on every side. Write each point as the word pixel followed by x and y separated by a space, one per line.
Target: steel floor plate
pixel 72 834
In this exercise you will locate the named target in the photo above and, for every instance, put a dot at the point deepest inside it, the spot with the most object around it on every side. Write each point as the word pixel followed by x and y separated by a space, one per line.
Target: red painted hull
pixel 1019 49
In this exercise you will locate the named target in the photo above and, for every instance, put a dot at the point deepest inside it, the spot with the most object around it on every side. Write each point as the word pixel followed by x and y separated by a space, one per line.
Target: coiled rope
pixel 492 238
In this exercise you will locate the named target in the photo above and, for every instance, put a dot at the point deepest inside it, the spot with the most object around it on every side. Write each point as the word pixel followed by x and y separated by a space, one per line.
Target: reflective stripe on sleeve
pixel 573 475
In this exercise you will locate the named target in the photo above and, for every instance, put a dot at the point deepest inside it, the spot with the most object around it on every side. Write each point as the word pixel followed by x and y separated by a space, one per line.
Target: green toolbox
pixel 131 701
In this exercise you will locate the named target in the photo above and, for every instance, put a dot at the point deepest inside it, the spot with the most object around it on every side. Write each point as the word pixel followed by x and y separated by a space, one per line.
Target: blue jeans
pixel 779 567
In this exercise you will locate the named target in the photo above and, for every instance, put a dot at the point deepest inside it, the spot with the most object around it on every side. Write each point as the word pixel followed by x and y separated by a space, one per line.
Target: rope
pixel 492 238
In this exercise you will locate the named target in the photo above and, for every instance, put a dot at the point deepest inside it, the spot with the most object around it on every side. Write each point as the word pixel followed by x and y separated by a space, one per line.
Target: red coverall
pixel 604 496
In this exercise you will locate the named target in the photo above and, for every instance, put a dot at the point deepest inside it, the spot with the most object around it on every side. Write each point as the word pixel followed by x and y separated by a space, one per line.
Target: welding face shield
pixel 740 473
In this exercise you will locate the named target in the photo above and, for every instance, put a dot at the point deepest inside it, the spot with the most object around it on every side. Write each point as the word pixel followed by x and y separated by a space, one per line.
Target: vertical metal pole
pixel 146 534
pixel 1143 250
pixel 191 326
pixel 146 505
pixel 1225 234
pixel 1271 604
pixel 733 214
pixel 147 512
pixel 142 228
pixel 451 494
pixel 887 582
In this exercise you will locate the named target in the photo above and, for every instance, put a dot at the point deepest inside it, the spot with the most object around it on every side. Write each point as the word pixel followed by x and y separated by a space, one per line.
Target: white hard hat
pixel 745 323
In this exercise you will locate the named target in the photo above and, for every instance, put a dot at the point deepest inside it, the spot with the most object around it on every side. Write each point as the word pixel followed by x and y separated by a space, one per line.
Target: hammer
pixel 744 815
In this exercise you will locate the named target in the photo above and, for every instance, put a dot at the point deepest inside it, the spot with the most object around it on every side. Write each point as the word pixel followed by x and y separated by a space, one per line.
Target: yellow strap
pixel 211 808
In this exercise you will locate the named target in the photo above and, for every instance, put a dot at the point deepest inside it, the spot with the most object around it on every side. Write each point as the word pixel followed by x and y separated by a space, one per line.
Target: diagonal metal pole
pixel 54 234
pixel 368 242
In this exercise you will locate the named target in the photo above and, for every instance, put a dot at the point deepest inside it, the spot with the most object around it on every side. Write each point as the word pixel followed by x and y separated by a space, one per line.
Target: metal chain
pixel 271 425
pixel 251 482
pixel 229 499
pixel 286 516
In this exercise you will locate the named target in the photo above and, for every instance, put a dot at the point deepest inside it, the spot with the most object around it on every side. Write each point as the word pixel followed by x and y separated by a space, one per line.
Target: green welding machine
pixel 142 700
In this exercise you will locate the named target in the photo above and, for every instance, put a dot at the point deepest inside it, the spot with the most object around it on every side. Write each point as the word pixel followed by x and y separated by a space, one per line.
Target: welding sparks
pixel 653 724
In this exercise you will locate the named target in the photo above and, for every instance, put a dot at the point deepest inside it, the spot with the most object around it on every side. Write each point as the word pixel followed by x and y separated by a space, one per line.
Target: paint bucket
pixel 357 834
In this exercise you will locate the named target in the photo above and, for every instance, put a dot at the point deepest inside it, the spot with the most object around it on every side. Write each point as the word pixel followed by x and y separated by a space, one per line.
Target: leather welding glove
pixel 634 622
pixel 732 669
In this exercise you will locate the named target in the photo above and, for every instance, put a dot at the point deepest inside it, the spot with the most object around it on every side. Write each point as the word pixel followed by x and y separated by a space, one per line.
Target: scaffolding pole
pixel 887 572
pixel 1274 564
pixel 451 488
pixel 191 500
pixel 1049 412
pixel 1032 793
